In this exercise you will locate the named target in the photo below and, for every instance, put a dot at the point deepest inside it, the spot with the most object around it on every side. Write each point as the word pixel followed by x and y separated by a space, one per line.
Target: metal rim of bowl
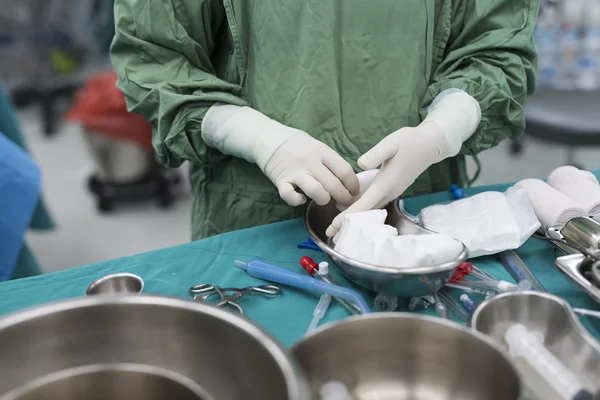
pixel 462 257
pixel 286 364
pixel 406 315
pixel 596 271
pixel 103 279
pixel 401 315
pixel 475 315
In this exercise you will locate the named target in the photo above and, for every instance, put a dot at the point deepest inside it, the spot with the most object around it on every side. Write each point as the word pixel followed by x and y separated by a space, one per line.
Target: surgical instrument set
pixel 580 239
pixel 230 296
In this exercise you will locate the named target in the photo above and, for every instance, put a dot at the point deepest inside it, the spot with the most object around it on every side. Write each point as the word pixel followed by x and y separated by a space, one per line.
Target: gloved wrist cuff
pixel 458 114
pixel 244 132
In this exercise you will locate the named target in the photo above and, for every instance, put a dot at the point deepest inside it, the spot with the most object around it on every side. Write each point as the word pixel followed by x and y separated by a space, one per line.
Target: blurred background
pixel 104 196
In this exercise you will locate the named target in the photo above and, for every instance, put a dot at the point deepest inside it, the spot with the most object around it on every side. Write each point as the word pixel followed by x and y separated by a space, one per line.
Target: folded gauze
pixel 366 218
pixel 581 186
pixel 487 223
pixel 365 237
pixel 551 206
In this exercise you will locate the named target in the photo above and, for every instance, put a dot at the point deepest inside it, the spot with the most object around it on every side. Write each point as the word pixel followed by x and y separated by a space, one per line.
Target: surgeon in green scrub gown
pixel 347 72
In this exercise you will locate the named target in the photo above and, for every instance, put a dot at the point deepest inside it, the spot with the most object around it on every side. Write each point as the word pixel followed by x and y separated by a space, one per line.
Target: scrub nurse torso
pixel 348 72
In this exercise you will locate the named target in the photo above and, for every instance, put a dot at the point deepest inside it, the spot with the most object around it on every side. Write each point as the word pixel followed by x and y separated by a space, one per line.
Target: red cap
pixel 309 265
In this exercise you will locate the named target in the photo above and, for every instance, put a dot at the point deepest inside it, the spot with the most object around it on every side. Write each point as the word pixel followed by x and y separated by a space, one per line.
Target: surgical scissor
pixel 230 296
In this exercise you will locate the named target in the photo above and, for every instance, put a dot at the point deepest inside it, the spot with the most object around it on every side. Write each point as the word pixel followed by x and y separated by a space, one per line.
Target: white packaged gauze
pixel 581 186
pixel 552 208
pixel 487 223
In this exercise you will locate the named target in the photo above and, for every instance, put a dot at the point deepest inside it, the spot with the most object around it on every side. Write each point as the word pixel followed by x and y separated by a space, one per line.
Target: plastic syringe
pixel 262 270
pixel 319 312
pixel 519 271
pixel 522 343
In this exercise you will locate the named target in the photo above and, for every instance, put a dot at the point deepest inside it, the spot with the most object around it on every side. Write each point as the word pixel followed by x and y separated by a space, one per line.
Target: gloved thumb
pixel 380 153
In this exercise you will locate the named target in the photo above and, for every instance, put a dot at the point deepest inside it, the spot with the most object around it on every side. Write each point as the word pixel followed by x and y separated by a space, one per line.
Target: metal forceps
pixel 230 296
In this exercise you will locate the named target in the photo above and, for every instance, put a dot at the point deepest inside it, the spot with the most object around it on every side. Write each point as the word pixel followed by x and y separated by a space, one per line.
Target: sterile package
pixel 487 223
pixel 364 237
pixel 552 207
pixel 581 186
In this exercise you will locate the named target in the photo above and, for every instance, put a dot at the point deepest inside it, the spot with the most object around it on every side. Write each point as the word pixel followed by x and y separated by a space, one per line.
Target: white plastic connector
pixel 323 268
pixel 504 286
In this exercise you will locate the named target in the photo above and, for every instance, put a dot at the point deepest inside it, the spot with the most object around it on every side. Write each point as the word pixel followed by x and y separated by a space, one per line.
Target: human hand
pixel 403 156
pixel 310 165
pixel 289 157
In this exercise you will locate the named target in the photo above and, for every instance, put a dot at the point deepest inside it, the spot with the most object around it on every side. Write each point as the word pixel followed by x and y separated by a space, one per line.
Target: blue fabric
pixel 172 271
pixel 19 194
pixel 10 127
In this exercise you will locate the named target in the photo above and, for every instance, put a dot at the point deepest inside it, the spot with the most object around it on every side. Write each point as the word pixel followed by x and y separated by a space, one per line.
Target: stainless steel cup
pixel 122 283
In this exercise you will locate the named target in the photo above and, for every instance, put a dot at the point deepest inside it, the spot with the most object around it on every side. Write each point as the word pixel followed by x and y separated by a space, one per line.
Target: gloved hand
pixel 408 152
pixel 290 158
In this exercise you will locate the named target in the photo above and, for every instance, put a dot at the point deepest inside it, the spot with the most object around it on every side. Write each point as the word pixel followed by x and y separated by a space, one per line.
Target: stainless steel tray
pixel 582 233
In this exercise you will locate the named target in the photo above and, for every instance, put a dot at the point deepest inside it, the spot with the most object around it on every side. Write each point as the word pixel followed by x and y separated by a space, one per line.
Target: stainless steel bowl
pixel 122 283
pixel 406 282
pixel 401 356
pixel 564 335
pixel 141 347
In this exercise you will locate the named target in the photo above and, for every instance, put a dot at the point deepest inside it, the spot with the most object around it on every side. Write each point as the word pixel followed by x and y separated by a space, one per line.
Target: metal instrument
pixel 393 356
pixel 578 268
pixel 554 318
pixel 580 239
pixel 584 233
pixel 405 282
pixel 141 348
pixel 230 296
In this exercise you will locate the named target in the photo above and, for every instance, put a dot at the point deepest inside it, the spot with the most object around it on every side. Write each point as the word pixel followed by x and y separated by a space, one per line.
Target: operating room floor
pixel 83 235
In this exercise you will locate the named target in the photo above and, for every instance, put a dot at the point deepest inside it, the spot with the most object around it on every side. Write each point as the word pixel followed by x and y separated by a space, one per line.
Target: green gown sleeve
pixel 163 54
pixel 490 54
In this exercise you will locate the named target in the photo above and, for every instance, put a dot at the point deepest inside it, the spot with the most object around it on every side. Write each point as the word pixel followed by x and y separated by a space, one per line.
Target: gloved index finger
pixel 343 170
pixel 333 185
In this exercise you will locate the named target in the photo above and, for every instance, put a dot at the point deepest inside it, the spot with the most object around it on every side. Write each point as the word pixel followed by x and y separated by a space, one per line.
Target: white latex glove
pixel 290 158
pixel 408 152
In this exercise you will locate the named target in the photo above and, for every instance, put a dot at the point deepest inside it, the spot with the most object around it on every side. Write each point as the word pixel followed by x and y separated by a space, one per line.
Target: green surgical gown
pixel 348 72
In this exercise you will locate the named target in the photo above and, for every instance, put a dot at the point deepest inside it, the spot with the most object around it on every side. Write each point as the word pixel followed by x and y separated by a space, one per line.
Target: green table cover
pixel 173 270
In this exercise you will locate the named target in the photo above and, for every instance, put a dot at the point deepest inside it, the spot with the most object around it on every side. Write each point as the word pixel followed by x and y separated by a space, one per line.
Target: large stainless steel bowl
pixel 401 356
pixel 141 347
pixel 406 282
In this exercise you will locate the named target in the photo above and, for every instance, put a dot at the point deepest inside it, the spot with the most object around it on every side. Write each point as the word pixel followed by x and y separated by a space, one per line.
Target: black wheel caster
pixel 165 201
pixel 93 184
pixel 105 205
pixel 516 148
